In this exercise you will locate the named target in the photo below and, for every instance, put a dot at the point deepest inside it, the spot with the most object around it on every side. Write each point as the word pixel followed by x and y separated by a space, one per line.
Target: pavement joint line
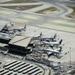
pixel 31 17
pixel 59 27
pixel 5 12
pixel 19 20
pixel 64 22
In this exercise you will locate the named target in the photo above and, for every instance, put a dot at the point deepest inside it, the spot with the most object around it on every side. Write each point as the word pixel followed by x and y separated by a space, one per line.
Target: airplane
pixel 37 37
pixel 57 51
pixel 10 32
pixel 49 38
pixel 51 51
pixel 20 29
pixel 7 26
pixel 53 43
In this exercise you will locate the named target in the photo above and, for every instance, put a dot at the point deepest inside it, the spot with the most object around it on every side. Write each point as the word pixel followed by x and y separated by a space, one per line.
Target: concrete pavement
pixel 36 22
pixel 39 8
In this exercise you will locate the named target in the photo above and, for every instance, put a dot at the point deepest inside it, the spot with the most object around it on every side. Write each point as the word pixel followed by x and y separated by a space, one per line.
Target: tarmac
pixel 68 41
pixel 48 25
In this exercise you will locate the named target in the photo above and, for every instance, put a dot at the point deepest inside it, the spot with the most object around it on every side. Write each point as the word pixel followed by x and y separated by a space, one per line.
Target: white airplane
pixel 51 51
pixel 9 26
pixel 43 38
pixel 37 37
pixel 54 51
pixel 20 29
pixel 52 43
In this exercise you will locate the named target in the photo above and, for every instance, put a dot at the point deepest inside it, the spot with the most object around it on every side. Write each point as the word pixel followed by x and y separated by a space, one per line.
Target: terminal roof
pixel 20 41
pixel 2 26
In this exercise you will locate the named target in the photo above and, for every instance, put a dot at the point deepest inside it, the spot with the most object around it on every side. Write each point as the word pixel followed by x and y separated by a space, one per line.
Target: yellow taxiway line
pixel 59 27
pixel 64 22
pixel 5 12
pixel 31 17
pixel 19 20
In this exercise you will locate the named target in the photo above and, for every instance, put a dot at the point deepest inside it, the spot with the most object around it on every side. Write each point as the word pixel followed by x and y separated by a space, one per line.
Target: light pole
pixel 70 58
pixel 34 32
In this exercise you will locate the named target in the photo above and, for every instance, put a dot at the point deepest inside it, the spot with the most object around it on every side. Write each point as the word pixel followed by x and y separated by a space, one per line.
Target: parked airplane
pixel 10 32
pixel 57 51
pixel 37 37
pixel 20 29
pixel 51 51
pixel 49 38
pixel 52 43
pixel 7 26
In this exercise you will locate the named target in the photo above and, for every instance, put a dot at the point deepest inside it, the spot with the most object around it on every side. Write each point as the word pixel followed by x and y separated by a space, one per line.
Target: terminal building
pixel 20 44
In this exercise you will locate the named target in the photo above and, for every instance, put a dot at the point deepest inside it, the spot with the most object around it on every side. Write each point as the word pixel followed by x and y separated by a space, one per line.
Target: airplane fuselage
pixel 53 51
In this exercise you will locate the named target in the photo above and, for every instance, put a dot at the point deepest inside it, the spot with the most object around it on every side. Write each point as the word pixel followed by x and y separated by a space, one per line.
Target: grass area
pixel 5 12
pixel 48 10
pixel 72 15
pixel 19 1
pixel 21 7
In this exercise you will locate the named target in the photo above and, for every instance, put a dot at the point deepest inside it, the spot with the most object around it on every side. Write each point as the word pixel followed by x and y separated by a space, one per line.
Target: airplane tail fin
pixel 55 36
pixel 25 27
pixel 41 34
pixel 60 49
pixel 60 41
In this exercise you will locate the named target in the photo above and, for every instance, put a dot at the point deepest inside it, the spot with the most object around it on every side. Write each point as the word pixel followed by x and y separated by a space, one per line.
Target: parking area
pixel 18 67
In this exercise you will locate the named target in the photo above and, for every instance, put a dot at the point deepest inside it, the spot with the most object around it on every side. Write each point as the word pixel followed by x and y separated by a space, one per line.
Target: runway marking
pixel 19 20
pixel 64 22
pixel 31 17
pixel 5 12
pixel 59 27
